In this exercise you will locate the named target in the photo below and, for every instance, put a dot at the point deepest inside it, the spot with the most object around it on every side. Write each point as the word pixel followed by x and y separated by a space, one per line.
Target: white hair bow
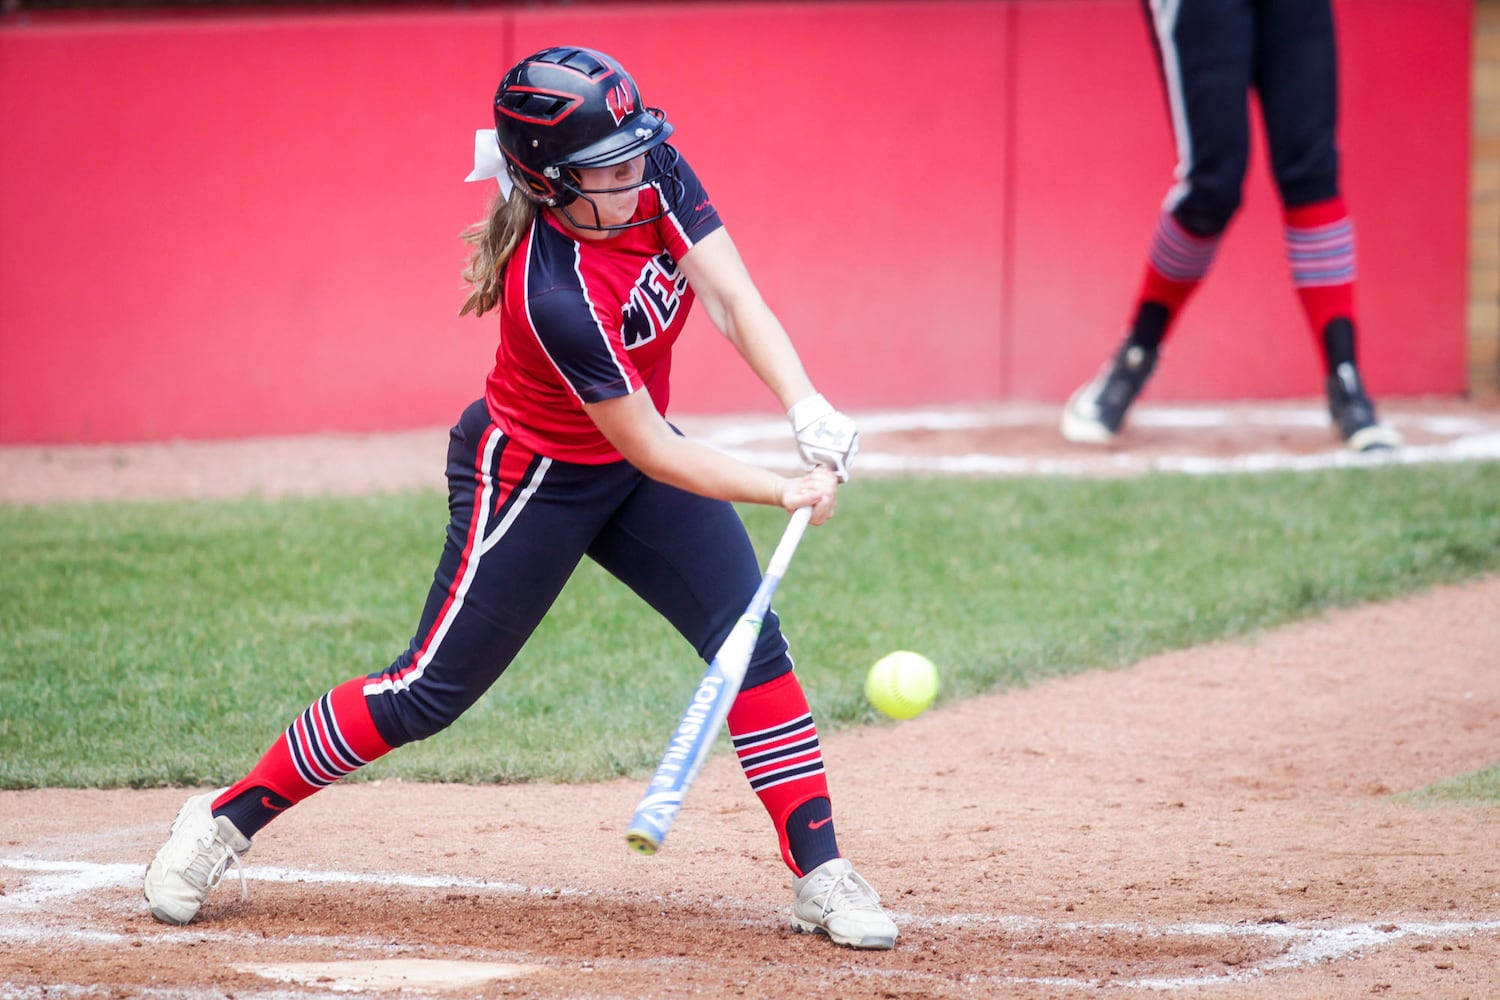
pixel 489 161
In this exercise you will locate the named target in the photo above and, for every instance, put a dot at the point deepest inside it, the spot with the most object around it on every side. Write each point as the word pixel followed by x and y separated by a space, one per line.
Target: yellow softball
pixel 902 684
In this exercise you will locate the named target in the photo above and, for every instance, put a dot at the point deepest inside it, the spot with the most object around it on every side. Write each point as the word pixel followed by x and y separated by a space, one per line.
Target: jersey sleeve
pixel 582 346
pixel 691 216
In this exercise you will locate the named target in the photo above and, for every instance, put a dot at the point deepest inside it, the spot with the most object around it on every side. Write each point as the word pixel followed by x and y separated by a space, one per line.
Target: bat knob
pixel 641 842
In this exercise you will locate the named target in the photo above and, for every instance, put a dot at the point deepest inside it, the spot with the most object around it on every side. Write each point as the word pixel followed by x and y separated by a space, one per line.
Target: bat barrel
pixel 692 741
pixel 705 714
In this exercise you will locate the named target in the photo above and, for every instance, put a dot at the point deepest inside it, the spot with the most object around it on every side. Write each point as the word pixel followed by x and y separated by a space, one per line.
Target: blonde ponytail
pixel 494 240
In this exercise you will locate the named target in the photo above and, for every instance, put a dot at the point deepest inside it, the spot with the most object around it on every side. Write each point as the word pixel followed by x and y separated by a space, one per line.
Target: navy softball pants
pixel 1211 54
pixel 519 526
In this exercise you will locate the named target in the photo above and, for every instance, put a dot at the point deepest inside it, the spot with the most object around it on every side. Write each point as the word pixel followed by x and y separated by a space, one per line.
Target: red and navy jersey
pixel 582 321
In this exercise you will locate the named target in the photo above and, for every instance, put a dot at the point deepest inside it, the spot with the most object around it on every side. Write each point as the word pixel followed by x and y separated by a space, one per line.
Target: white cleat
pixel 833 900
pixel 193 861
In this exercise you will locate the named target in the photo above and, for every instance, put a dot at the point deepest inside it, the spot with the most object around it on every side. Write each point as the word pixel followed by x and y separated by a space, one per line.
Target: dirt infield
pixel 1217 822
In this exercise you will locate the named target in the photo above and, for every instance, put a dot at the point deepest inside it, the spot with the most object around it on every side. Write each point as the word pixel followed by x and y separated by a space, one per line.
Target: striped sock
pixel 777 745
pixel 334 737
pixel 1176 265
pixel 1320 254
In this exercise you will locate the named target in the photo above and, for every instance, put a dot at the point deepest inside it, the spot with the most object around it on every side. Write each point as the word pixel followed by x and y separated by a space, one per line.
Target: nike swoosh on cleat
pixel 819 823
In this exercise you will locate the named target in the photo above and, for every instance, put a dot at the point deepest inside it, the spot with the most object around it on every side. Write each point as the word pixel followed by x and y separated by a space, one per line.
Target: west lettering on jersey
pixel 654 301
pixel 606 323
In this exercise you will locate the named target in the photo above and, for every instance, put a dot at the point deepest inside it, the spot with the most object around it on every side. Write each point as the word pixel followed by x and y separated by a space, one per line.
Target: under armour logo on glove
pixel 825 436
pixel 822 431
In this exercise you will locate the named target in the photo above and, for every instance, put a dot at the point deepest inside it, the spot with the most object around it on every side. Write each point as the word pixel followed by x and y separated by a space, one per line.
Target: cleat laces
pixel 850 892
pixel 210 858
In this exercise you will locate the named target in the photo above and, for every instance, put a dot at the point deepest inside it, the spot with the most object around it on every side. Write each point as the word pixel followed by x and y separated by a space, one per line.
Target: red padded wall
pixel 854 153
pixel 220 227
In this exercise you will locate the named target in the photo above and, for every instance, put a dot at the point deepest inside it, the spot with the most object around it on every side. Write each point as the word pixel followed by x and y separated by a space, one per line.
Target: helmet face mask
pixel 663 157
pixel 566 109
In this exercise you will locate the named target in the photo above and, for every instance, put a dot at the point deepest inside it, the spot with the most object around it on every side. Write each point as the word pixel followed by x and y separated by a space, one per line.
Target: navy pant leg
pixel 1205 50
pixel 691 559
pixel 519 525
pixel 1296 78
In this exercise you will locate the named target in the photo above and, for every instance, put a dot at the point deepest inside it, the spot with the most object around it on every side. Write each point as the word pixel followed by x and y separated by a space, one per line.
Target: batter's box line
pixel 57 879
pixel 1304 945
pixel 52 881
pixel 745 428
pixel 1475 449
pixel 1468 439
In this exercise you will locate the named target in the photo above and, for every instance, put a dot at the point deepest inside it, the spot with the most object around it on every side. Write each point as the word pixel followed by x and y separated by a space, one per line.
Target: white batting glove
pixel 825 436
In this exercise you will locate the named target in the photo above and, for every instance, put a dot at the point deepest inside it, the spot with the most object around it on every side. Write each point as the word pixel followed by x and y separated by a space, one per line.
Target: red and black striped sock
pixel 777 744
pixel 334 737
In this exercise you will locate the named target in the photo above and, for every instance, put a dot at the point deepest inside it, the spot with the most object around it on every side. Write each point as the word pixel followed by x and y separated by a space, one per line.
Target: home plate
pixel 388 974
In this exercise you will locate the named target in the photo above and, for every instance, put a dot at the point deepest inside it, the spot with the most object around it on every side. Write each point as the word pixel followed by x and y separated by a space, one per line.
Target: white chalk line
pixel 46 884
pixel 1470 439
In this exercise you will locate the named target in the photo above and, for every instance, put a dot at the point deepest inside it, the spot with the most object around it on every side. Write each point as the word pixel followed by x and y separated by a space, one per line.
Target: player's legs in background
pixel 1296 77
pixel 1205 57
pixel 690 558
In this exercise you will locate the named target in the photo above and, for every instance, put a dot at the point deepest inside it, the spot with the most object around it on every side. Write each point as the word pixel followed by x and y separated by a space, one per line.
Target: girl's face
pixel 619 188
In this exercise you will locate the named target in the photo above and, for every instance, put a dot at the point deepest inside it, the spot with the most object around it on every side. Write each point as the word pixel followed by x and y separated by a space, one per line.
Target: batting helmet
pixel 568 108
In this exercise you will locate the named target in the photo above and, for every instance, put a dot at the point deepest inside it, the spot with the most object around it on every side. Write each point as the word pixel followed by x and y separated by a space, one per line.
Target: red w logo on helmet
pixel 620 100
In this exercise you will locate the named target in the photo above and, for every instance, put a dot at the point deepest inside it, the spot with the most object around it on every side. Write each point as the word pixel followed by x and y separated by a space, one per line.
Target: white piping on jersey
pixel 1164 17
pixel 536 226
pixel 484 540
pixel 588 297
pixel 598 326
pixel 672 215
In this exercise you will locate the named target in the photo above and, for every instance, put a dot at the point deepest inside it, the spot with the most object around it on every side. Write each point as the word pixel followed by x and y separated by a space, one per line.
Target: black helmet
pixel 566 108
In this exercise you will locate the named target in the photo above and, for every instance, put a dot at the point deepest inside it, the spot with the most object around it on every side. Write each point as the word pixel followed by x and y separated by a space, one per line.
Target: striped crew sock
pixel 777 745
pixel 334 737
pixel 1176 265
pixel 1320 254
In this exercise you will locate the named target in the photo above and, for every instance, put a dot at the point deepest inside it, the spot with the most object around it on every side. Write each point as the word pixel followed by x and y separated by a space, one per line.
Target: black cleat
pixel 1094 413
pixel 1353 414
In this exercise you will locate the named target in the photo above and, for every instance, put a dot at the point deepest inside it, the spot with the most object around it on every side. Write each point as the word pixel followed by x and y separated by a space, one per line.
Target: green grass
pixel 1474 788
pixel 169 644
pixel 1478 787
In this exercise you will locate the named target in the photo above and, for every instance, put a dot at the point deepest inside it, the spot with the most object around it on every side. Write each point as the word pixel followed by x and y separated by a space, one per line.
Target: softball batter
pixel 1211 54
pixel 592 261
